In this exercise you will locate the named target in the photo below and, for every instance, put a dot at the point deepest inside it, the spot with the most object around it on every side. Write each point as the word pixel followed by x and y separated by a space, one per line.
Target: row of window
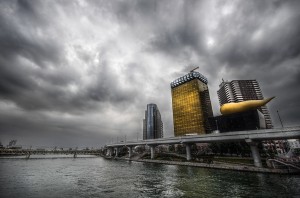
pixel 187 78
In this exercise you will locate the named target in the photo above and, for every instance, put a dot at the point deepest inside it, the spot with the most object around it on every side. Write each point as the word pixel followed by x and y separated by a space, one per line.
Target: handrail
pixel 284 163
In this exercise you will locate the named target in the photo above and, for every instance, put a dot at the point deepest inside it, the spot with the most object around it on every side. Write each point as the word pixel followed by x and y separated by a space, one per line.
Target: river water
pixel 51 176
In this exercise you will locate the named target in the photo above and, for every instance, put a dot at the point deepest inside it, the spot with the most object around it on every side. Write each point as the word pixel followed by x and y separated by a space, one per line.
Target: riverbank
pixel 222 166
pixel 215 165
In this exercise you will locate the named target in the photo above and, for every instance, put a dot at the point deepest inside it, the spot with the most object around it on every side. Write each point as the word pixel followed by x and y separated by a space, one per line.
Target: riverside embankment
pixel 222 166
pixel 215 165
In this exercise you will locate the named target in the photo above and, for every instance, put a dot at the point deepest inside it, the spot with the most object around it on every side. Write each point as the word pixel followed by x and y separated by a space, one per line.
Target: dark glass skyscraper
pixel 242 90
pixel 152 124
pixel 191 105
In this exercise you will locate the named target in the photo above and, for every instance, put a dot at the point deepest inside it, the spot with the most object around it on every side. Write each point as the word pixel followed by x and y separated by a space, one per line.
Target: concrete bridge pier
pixel 117 151
pixel 188 152
pixel 152 150
pixel 109 151
pixel 129 152
pixel 28 155
pixel 254 152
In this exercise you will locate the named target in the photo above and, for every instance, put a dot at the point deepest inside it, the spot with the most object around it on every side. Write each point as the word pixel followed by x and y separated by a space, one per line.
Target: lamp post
pixel 217 131
pixel 280 119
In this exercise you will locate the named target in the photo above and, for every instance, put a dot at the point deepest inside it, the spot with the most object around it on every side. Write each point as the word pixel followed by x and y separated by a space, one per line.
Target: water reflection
pixel 155 180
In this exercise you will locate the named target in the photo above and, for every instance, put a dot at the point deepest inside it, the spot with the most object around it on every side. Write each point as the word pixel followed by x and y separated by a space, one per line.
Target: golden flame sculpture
pixel 238 107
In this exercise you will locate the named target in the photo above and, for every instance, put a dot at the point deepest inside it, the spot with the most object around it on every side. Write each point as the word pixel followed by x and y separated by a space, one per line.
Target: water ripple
pixel 97 177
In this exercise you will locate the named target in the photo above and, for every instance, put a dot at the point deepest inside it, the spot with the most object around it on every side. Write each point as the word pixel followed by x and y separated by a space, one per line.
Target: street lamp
pixel 280 119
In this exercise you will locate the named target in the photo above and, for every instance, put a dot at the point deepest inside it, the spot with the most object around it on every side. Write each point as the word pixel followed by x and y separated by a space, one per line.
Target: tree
pixel 296 151
pixel 171 148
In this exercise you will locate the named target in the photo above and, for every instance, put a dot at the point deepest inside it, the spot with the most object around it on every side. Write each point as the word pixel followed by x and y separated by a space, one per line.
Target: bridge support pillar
pixel 129 152
pixel 152 149
pixel 28 155
pixel 117 151
pixel 254 152
pixel 110 151
pixel 188 152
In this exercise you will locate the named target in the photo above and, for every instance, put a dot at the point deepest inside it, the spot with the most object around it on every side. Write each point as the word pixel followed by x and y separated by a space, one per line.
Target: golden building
pixel 191 105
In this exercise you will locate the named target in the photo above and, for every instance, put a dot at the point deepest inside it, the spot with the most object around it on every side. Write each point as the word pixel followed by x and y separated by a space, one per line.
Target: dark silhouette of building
pixel 152 124
pixel 248 120
pixel 242 90
pixel 191 105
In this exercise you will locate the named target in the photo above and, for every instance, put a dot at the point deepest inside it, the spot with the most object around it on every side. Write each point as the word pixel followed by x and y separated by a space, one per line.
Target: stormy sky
pixel 80 73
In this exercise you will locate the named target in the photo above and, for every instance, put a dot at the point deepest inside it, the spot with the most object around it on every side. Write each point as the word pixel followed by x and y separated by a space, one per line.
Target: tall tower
pixel 191 104
pixel 242 90
pixel 152 124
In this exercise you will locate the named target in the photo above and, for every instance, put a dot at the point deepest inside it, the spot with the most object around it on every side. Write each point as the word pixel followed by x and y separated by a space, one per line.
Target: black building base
pixel 248 120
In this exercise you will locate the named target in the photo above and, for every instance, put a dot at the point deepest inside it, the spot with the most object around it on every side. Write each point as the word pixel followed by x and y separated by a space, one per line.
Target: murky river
pixel 50 176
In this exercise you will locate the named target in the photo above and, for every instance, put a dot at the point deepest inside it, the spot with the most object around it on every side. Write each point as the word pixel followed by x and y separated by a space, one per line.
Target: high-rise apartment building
pixel 152 124
pixel 191 105
pixel 242 90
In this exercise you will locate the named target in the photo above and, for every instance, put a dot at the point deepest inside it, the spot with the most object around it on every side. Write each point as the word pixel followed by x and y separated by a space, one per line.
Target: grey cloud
pixel 276 44
pixel 44 86
pixel 19 36
pixel 107 87
pixel 183 32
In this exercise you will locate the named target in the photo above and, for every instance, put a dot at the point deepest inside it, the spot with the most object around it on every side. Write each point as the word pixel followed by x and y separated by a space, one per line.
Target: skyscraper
pixel 242 90
pixel 152 124
pixel 191 104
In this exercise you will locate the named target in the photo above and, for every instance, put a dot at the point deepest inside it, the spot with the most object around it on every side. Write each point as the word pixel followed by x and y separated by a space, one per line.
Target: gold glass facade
pixel 191 108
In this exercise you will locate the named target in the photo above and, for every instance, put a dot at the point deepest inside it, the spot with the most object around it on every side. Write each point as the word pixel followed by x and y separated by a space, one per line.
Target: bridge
pixel 29 152
pixel 251 137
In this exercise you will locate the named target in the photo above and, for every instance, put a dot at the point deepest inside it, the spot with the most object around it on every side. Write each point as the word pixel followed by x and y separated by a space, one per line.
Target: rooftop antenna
pixel 194 69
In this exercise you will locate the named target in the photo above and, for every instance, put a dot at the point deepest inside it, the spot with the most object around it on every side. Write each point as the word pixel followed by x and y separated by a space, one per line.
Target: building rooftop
pixel 188 77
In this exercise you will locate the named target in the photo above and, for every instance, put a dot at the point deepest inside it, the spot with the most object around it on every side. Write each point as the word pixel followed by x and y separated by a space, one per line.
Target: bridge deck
pixel 258 135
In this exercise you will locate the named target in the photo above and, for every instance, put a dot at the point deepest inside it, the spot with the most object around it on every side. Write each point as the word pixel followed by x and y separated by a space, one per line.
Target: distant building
pixel 191 105
pixel 152 124
pixel 248 120
pixel 242 90
pixel 276 146
pixel 293 143
pixel 13 145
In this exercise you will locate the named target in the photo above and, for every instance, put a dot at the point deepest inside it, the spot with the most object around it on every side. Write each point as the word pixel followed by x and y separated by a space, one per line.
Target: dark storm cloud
pixel 19 23
pixel 277 43
pixel 20 46
pixel 19 41
pixel 183 30
pixel 107 88
pixel 88 68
